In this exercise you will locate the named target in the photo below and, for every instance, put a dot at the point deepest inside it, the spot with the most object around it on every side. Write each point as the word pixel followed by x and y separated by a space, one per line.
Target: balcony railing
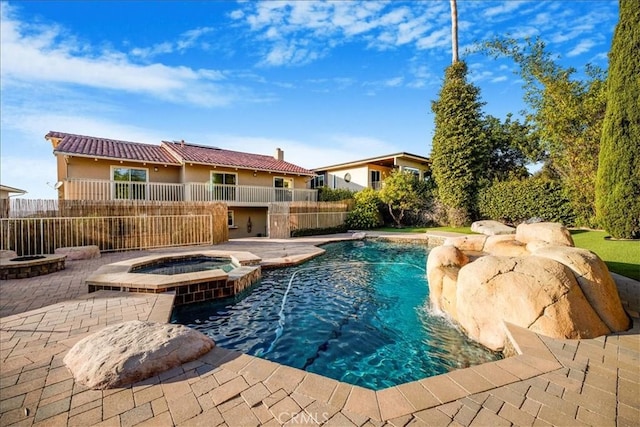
pixel 94 189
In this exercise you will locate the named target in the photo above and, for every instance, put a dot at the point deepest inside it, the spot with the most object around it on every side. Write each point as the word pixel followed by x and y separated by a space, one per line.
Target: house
pixel 369 173
pixel 93 168
pixel 6 191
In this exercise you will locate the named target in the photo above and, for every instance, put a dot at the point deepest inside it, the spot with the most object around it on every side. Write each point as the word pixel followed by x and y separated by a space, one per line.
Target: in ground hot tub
pixel 193 276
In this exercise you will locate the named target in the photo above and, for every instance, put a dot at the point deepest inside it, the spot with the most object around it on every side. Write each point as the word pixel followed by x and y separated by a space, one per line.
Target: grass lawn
pixel 622 257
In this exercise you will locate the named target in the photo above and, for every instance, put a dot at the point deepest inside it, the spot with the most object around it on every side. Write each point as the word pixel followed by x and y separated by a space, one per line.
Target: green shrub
pixel 366 212
pixel 618 179
pixel 326 194
pixel 516 201
pixel 460 148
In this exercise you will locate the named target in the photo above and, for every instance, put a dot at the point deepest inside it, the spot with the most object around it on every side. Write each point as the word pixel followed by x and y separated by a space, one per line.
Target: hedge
pixel 516 201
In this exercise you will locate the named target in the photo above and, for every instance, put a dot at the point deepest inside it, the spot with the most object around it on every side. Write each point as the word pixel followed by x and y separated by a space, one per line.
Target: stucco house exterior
pixel 6 191
pixel 369 173
pixel 94 168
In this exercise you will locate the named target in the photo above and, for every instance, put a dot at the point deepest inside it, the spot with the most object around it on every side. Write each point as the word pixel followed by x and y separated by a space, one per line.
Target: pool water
pixel 358 314
pixel 186 265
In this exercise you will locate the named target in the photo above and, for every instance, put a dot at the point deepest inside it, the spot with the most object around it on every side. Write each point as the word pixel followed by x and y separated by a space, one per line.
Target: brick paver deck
pixel 552 382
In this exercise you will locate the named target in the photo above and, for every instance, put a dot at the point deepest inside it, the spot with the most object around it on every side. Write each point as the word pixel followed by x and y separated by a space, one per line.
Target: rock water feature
pixel 534 278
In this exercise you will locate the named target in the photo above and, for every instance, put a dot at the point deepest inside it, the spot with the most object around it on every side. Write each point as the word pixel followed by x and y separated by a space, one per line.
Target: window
pixel 375 180
pixel 231 221
pixel 415 172
pixel 224 185
pixel 283 189
pixel 130 183
pixel 317 181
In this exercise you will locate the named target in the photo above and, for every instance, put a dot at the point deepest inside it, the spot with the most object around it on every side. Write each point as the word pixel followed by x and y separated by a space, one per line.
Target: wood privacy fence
pixel 111 225
pixel 286 218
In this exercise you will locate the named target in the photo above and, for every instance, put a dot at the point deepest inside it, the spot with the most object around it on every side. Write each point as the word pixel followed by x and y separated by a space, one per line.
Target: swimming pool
pixel 358 314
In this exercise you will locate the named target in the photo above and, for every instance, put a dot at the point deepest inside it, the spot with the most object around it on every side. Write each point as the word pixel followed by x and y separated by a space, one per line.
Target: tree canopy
pixel 459 152
pixel 618 180
pixel 566 115
pixel 399 194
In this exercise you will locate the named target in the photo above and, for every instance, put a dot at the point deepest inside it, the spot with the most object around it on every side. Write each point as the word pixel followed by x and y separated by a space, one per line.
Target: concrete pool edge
pixel 533 359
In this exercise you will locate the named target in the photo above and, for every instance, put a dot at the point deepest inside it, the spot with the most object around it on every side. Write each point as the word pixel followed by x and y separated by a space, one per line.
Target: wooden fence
pixel 286 218
pixel 40 226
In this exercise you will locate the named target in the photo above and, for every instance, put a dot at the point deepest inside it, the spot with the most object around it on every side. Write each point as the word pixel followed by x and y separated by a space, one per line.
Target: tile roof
pixel 90 146
pixel 172 153
pixel 190 153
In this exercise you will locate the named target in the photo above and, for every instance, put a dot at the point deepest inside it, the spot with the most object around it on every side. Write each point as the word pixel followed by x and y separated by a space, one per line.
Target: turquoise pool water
pixel 358 314
pixel 188 264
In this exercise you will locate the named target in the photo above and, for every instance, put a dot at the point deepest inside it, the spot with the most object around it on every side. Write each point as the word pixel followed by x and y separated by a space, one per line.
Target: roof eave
pixel 372 160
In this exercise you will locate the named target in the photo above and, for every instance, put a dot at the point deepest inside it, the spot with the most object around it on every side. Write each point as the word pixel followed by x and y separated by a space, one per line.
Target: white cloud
pixel 583 46
pixel 39 54
pixel 499 79
pixel 504 9
pixel 299 32
pixel 394 82
pixel 438 38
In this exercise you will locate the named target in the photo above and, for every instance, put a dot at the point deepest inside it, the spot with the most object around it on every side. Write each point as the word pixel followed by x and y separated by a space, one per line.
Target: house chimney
pixel 182 143
pixel 279 154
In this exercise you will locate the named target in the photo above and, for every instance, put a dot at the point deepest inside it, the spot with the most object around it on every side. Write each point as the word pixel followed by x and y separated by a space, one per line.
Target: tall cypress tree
pixel 618 178
pixel 459 147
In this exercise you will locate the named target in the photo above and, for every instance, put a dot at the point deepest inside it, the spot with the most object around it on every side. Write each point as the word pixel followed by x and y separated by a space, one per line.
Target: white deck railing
pixel 94 189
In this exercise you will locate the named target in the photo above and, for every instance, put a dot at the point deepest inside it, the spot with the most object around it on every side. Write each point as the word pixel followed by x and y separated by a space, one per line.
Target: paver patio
pixel 552 382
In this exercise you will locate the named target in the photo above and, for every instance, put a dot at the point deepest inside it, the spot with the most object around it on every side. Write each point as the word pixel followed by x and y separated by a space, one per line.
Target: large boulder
pixel 79 252
pixel 535 279
pixel 550 232
pixel 443 265
pixel 491 228
pixel 133 351
pixel 472 242
pixel 532 292
pixel 505 245
pixel 595 281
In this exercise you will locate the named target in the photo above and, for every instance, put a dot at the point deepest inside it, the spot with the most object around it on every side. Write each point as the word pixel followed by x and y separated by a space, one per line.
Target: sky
pixel 327 82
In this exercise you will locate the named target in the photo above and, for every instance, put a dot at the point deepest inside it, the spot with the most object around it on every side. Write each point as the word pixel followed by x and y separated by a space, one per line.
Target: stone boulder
pixel 505 245
pixel 472 242
pixel 595 281
pixel 550 232
pixel 535 279
pixel 532 292
pixel 443 265
pixel 133 351
pixel 491 228
pixel 79 252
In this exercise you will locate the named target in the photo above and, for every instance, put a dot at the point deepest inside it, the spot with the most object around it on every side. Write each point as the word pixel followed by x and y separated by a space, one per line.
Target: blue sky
pixel 327 82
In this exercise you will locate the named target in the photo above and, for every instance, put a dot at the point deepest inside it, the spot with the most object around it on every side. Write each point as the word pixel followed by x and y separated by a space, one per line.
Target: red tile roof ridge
pixel 209 155
pixel 170 152
pixel 99 147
